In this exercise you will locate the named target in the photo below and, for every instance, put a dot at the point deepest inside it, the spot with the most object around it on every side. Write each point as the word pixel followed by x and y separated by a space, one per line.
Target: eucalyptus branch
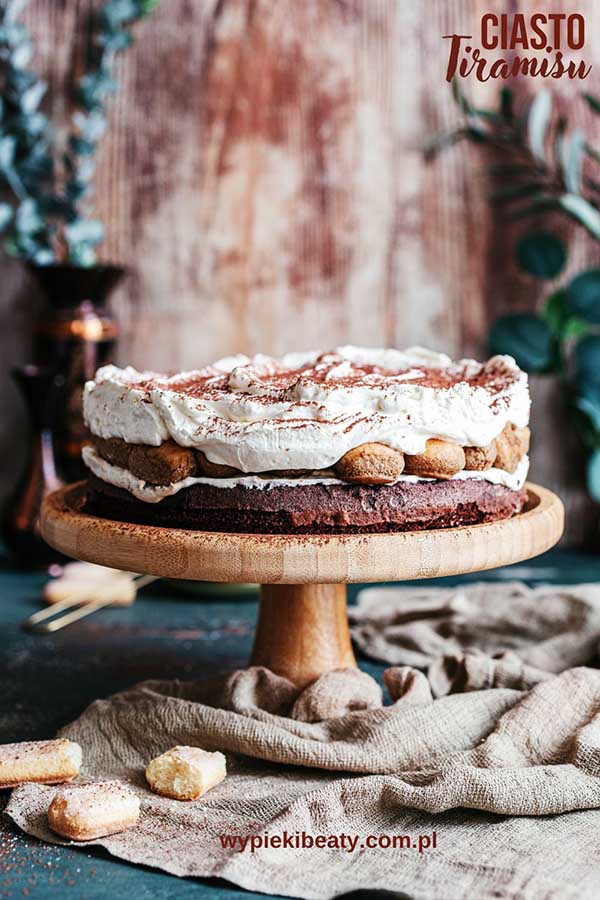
pixel 41 220
pixel 541 168
pixel 543 163
pixel 26 166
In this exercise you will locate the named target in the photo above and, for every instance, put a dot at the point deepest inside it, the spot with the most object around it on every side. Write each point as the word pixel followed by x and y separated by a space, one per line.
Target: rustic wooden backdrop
pixel 264 178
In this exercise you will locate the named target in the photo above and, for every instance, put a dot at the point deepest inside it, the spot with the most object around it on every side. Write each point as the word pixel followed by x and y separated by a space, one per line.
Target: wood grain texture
pixel 264 177
pixel 299 559
pixel 302 628
pixel 302 631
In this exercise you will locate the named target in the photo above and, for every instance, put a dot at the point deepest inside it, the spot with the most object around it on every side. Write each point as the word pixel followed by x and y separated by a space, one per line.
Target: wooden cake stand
pixel 302 626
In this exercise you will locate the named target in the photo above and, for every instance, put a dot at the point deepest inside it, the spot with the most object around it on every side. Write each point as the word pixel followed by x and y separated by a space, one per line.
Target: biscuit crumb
pixel 186 773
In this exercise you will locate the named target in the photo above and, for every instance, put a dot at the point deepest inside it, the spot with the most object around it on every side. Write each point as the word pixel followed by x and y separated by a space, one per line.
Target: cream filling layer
pixel 251 425
pixel 148 493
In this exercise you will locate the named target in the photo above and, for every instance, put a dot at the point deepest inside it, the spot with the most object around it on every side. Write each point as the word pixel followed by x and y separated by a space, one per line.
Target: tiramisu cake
pixel 351 440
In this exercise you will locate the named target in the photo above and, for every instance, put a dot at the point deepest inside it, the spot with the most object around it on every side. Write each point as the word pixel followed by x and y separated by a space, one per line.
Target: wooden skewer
pixel 83 609
pixel 50 611
pixel 86 609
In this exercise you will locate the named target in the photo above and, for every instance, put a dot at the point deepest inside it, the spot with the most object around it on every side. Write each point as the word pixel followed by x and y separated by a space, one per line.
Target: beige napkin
pixel 480 635
pixel 487 772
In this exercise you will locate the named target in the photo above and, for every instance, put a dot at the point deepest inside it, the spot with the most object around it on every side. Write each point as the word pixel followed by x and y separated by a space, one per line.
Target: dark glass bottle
pixel 41 390
pixel 74 335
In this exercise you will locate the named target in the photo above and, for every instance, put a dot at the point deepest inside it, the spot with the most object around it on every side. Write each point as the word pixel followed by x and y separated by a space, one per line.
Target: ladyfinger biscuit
pixel 214 470
pixel 88 811
pixel 511 447
pixel 46 762
pixel 441 459
pixel 86 582
pixel 165 464
pixel 113 450
pixel 370 464
pixel 477 459
pixel 185 773
pixel 160 465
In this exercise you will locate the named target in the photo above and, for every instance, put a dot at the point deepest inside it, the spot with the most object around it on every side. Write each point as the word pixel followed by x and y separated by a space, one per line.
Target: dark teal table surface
pixel 46 681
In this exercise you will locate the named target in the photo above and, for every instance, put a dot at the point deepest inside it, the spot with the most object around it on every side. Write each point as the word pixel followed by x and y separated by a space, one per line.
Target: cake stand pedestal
pixel 302 628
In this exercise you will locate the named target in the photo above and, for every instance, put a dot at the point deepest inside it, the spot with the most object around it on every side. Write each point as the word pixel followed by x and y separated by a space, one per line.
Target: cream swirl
pixel 305 410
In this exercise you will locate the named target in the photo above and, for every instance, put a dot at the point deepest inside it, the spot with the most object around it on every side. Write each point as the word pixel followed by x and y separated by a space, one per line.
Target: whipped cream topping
pixel 305 410
pixel 149 493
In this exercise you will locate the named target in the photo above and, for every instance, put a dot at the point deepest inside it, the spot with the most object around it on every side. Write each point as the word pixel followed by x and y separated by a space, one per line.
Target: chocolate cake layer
pixel 314 508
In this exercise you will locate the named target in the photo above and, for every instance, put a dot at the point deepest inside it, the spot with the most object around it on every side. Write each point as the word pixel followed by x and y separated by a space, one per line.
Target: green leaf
pixel 591 183
pixel 116 41
pixel 589 407
pixel 23 245
pixel 80 146
pixel 13 33
pixel 11 247
pixel 43 257
pixel 587 421
pixel 118 12
pixel 586 362
pixel 13 9
pixel 29 125
pixel 538 120
pixel 94 89
pixel 517 192
pixel 76 189
pixel 86 168
pixel 592 102
pixel 583 296
pixel 84 231
pixel 19 81
pixel 582 211
pixel 27 219
pixel 539 204
pixel 147 6
pixel 5 214
pixel 35 170
pixel 560 130
pixel 593 154
pixel 449 138
pixel 593 475
pixel 52 205
pixel 21 55
pixel 507 104
pixel 541 254
pixel 82 255
pixel 462 101
pixel 572 149
pixel 31 98
pixel 574 327
pixel 92 126
pixel 556 312
pixel 68 163
pixel 509 170
pixel 559 317
pixel 527 338
pixel 7 151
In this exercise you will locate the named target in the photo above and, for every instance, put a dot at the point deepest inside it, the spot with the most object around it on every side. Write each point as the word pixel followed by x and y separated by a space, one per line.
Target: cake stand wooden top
pixel 299 559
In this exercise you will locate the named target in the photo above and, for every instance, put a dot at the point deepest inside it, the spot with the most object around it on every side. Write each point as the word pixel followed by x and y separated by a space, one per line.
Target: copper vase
pixel 74 336
pixel 41 389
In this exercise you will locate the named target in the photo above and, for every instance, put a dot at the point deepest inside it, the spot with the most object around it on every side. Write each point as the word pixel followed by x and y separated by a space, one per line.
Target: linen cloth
pixel 456 632
pixel 503 767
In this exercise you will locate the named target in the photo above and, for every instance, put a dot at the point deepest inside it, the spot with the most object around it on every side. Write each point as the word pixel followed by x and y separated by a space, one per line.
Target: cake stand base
pixel 302 628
